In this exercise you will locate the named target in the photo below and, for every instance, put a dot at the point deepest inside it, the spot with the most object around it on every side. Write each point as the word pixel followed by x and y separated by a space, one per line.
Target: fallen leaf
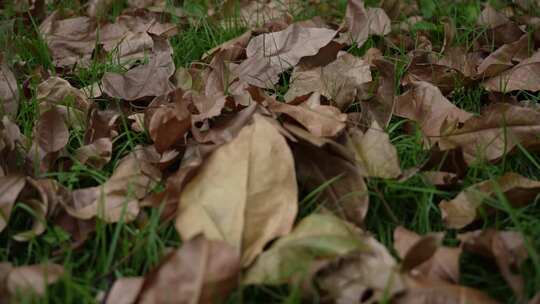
pixel 9 92
pixel 96 154
pixel 503 58
pixel 244 194
pixel 10 187
pixel 506 247
pixel 33 278
pixel 423 256
pixel 119 197
pixel 315 237
pixel 374 153
pixel 524 76
pixel 370 275
pixel 147 80
pixel 51 131
pixel 272 53
pixel 464 208
pixel 381 106
pixel 201 271
pixel 361 23
pixel 335 176
pixel 98 8
pixel 425 104
pixel 497 131
pixel 339 81
pixel 426 292
pixel 125 291
pixel 320 120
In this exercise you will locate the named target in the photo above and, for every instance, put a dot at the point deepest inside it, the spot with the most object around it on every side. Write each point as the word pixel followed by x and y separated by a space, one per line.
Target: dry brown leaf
pixel 201 271
pixel 374 153
pixel 503 58
pixel 343 188
pixel 524 76
pixel 439 263
pixel 463 209
pixel 32 278
pixel 125 291
pixel 56 92
pixel 256 13
pixel 96 154
pixel 506 247
pixel 425 104
pixel 9 92
pixel 369 275
pixel 147 80
pixel 51 131
pixel 118 198
pixel 10 187
pixel 497 131
pixel 491 18
pixel 245 193
pixel 360 23
pixel 421 291
pixel 318 236
pixel 168 120
pixel 272 53
pixel 339 81
pixel 381 106
pixel 98 8
pixel 320 120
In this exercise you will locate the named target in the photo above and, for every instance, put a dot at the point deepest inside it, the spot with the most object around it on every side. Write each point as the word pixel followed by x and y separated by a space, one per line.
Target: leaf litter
pixel 227 148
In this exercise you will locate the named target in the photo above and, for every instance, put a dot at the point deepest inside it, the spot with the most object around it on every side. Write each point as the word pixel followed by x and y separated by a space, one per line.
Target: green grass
pixel 132 249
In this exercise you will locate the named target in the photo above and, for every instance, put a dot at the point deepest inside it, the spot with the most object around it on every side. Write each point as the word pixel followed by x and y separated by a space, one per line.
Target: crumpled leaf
pixel 381 106
pixel 32 278
pixel 56 92
pixel 464 208
pixel 423 256
pixel 497 131
pixel 524 76
pixel 168 122
pixel 360 23
pixel 201 271
pixel 10 187
pixel 51 131
pixel 371 275
pixel 503 58
pixel 244 194
pixel 96 154
pixel 332 173
pixel 272 53
pixel 318 236
pixel 506 247
pixel 374 153
pixel 9 92
pixel 339 80
pixel 425 104
pixel 320 120
pixel 118 198
pixel 256 13
pixel 97 8
pixel 147 80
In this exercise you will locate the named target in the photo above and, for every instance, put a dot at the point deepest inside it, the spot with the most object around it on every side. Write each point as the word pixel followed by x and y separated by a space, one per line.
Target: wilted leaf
pixel 9 92
pixel 506 247
pixel 361 23
pixel 425 104
pixel 320 120
pixel 315 237
pixel 10 187
pixel 96 154
pixel 381 106
pixel 33 278
pixel 524 76
pixel 147 80
pixel 98 8
pixel 425 257
pixel 245 193
pixel 503 58
pixel 51 131
pixel 369 275
pixel 496 131
pixel 118 198
pixel 125 291
pixel 464 209
pixel 256 13
pixel 339 81
pixel 201 271
pixel 374 153
pixel 271 54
